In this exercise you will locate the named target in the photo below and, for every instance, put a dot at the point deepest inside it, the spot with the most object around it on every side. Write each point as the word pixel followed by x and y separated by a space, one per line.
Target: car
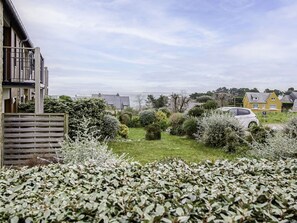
pixel 245 116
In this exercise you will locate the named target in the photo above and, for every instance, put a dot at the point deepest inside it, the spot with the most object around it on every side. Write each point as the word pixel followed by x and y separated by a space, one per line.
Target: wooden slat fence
pixel 27 136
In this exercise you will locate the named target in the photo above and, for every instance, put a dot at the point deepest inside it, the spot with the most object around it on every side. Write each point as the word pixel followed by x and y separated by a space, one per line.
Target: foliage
pixel 215 126
pixel 211 104
pixel 160 102
pixel 125 118
pixel 259 133
pixel 176 121
pixel 196 112
pixel 168 191
pixel 153 132
pixel 134 122
pixel 190 127
pixel 204 98
pixel 124 131
pixel 290 128
pixel 185 148
pixel 147 117
pixel 162 120
pixel 110 127
pixel 28 107
pixel 165 110
pixel 87 148
pixel 275 147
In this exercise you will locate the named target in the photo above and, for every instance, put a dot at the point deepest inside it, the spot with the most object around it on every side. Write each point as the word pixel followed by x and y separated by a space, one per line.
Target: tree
pixel 156 103
pixel 276 91
pixel 223 98
pixel 139 99
pixel 179 102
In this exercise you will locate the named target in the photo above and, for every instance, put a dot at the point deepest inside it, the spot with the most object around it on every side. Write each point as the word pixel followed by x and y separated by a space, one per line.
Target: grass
pixel 145 151
pixel 275 117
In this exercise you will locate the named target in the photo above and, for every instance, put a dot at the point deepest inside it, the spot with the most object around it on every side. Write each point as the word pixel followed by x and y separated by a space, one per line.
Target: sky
pixel 111 46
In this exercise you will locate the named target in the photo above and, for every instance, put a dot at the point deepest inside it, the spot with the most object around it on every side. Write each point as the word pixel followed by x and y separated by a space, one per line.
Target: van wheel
pixel 252 124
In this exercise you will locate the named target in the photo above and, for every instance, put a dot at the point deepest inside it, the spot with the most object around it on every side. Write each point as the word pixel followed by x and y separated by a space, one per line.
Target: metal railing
pixel 19 65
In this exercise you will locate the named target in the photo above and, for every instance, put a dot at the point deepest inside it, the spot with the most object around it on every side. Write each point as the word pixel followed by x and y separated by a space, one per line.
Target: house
pixel 24 75
pixel 268 102
pixel 290 102
pixel 116 101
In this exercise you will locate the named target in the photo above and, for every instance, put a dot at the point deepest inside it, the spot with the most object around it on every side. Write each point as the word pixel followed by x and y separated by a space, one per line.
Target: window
pixel 255 106
pixel 243 112
pixel 255 98
pixel 273 107
pixel 272 99
pixel 233 111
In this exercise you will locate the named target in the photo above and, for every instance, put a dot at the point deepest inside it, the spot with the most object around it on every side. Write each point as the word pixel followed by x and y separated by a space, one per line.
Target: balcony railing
pixel 19 65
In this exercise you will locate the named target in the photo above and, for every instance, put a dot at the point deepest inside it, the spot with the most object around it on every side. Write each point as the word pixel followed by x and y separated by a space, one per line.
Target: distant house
pixel 116 101
pixel 262 102
pixel 290 102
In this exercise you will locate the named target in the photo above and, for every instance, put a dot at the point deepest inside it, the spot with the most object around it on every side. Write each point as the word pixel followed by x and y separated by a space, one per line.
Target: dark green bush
pixel 259 133
pixel 190 127
pixel 153 132
pixel 176 121
pixel 134 122
pixel 211 104
pixel 147 117
pixel 196 112
pixel 125 118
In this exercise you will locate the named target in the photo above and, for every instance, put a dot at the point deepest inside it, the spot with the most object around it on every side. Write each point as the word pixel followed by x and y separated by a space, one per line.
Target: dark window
pixel 243 112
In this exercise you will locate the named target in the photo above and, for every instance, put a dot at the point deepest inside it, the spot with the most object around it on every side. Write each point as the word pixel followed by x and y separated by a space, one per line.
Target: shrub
pixel 124 131
pixel 259 133
pixel 134 122
pixel 196 112
pixel 125 118
pixel 166 111
pixel 176 121
pixel 290 128
pixel 190 127
pixel 110 127
pixel 153 132
pixel 215 127
pixel 211 104
pixel 162 120
pixel 245 190
pixel 147 117
pixel 204 98
pixel 275 147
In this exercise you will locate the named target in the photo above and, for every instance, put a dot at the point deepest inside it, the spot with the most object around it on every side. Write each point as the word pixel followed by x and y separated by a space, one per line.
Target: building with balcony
pixel 24 75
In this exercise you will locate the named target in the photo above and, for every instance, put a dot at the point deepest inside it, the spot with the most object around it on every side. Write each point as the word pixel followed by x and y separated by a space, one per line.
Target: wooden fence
pixel 28 136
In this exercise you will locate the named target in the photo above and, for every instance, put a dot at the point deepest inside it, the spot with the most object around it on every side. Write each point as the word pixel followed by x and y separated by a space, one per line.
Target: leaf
pixel 179 211
pixel 15 219
pixel 160 210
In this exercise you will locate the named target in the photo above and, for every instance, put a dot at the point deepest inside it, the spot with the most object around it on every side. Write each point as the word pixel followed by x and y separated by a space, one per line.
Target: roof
pixel 261 97
pixel 117 101
pixel 294 95
pixel 16 21
pixel 287 99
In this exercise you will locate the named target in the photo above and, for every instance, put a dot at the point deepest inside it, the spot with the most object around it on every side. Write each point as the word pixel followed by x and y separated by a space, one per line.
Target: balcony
pixel 22 67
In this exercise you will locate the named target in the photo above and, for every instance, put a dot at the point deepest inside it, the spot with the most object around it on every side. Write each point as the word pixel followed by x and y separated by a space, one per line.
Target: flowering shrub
pixel 169 191
pixel 124 131
pixel 162 120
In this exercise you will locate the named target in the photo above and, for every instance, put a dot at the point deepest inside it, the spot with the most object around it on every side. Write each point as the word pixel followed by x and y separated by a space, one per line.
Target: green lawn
pixel 275 117
pixel 145 151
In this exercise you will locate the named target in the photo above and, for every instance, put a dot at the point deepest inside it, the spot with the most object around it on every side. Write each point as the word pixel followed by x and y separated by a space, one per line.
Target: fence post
pixel 2 141
pixel 66 124
pixel 37 80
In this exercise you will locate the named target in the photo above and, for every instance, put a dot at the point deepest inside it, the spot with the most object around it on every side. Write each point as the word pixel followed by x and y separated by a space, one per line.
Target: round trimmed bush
pixel 210 104
pixel 147 117
pixel 134 122
pixel 196 112
pixel 110 127
pixel 153 132
pixel 166 111
pixel 190 127
pixel 123 131
pixel 125 118
pixel 162 120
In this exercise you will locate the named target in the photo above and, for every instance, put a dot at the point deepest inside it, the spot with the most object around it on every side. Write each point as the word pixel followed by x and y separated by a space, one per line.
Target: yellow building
pixel 268 102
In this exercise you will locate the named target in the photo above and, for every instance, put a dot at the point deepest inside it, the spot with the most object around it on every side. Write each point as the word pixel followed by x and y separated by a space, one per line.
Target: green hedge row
pixel 169 191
